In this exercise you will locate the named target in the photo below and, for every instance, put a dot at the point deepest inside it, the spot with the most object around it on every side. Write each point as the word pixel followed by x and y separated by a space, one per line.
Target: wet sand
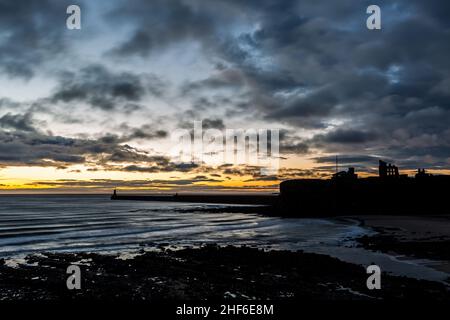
pixel 421 237
pixel 239 273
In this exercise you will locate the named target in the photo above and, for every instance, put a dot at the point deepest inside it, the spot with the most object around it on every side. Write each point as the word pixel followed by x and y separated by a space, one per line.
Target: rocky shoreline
pixel 418 237
pixel 434 249
pixel 209 273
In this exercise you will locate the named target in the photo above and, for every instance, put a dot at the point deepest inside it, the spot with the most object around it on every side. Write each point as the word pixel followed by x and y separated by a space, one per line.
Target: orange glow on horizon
pixel 79 179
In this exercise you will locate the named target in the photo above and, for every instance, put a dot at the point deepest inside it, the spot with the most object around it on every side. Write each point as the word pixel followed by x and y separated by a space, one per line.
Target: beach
pixel 421 236
pixel 209 273
pixel 143 251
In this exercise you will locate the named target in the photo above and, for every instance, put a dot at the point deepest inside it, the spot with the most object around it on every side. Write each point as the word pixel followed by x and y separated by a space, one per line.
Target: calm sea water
pixel 31 224
pixel 95 223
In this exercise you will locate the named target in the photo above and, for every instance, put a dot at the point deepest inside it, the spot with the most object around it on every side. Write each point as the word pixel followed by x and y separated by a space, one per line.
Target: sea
pixel 31 224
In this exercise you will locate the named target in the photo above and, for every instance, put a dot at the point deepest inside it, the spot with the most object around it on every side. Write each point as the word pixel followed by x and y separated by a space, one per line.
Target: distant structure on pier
pixel 349 174
pixel 421 173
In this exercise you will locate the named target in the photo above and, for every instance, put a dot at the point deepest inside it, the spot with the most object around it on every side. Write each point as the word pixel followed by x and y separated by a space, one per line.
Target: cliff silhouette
pixel 389 193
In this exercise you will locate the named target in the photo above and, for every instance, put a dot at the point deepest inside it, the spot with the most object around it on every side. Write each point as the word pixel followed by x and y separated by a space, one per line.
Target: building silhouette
pixel 345 193
pixel 387 170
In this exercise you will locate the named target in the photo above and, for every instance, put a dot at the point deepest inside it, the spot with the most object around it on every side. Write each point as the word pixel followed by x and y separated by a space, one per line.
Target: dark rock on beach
pixel 208 273
pixel 414 236
pixel 433 250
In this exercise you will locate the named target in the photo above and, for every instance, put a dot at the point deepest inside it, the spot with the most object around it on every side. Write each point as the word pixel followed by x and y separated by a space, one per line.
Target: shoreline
pixel 365 243
pixel 321 270
pixel 415 236
pixel 210 272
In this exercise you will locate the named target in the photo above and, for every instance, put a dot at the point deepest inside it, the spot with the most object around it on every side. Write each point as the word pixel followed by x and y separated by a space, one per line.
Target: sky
pixel 93 109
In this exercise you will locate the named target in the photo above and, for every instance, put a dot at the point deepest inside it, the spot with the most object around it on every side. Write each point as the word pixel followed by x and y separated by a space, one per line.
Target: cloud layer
pixel 139 69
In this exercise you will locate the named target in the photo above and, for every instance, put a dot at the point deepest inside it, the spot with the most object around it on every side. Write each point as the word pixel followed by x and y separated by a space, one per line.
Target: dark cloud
pixel 17 122
pixel 291 144
pixel 144 132
pixel 158 25
pixel 104 89
pixel 346 136
pixel 22 148
pixel 32 33
pixel 24 144
pixel 325 65
pixel 213 124
pixel 139 44
pixel 305 65
pixel 164 166
pixel 349 159
pixel 298 148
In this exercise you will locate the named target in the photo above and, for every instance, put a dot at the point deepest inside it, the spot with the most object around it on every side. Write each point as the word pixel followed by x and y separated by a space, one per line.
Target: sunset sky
pixel 92 109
